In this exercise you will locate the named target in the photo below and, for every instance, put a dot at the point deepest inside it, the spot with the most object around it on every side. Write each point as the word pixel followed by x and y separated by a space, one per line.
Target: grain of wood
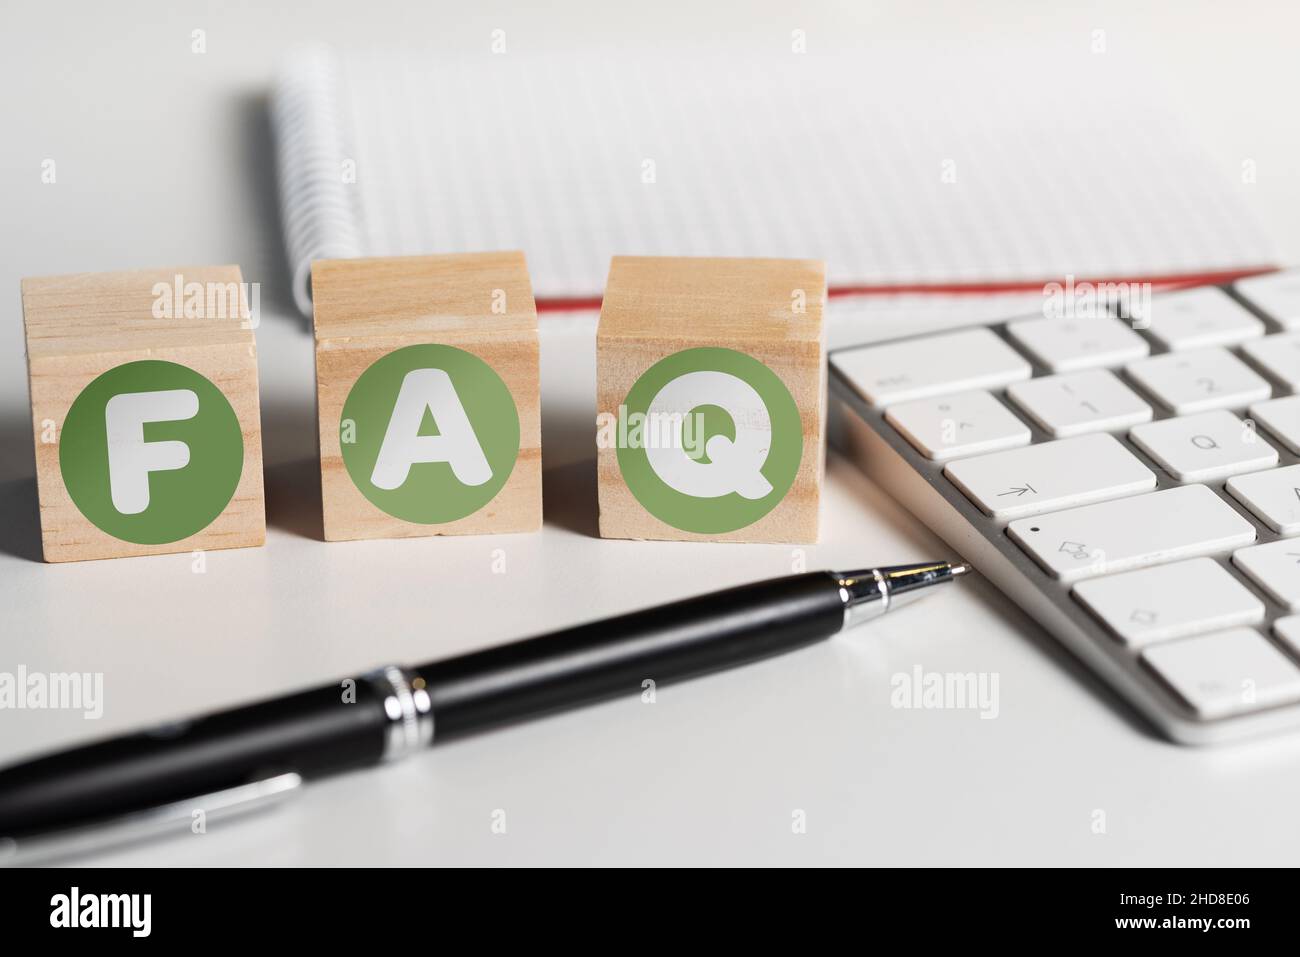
pixel 368 308
pixel 770 309
pixel 81 326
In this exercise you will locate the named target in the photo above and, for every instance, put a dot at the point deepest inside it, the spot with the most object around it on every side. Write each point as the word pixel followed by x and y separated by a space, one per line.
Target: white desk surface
pixel 163 158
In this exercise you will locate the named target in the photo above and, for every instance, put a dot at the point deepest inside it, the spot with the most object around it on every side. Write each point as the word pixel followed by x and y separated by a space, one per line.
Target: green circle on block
pixel 430 492
pixel 176 458
pixel 776 458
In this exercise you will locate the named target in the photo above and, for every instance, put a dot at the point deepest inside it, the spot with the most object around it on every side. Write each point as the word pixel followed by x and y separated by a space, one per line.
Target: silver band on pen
pixel 408 708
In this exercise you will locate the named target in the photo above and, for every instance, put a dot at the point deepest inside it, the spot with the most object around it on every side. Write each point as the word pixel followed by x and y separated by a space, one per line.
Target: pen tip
pixel 876 590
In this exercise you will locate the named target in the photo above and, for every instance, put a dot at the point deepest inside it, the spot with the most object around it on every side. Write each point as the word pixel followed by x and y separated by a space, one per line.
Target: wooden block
pixel 164 363
pixel 711 399
pixel 428 396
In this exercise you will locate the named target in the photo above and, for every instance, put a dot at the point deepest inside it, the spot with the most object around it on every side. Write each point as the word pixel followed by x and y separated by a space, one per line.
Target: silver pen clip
pixel 148 822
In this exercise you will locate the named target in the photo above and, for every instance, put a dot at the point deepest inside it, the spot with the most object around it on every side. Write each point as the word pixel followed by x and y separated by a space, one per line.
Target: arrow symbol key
pixel 1076 550
pixel 1019 490
pixel 1050 476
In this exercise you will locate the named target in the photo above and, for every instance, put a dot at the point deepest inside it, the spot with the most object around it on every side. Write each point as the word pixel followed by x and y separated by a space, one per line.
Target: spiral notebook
pixel 900 181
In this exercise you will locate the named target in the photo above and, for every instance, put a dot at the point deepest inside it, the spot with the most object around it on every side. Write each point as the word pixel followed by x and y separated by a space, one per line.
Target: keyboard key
pixel 1204 447
pixel 1078 402
pixel 1199 381
pixel 1170 601
pixel 1275 568
pixel 1273 497
pixel 1276 294
pixel 1196 318
pixel 1226 673
pixel 1278 356
pixel 1064 345
pixel 1288 630
pixel 1282 418
pixel 964 423
pixel 932 365
pixel 1049 476
pixel 1133 532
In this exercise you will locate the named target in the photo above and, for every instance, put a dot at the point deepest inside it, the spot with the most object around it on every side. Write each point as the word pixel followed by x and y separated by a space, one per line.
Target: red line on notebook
pixel 1173 280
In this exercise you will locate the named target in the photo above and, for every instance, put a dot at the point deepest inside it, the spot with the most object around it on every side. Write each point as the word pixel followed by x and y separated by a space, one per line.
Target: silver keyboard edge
pixel 860 432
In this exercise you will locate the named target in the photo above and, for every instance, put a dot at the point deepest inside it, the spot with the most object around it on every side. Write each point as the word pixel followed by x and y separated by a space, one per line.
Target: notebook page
pixel 891 177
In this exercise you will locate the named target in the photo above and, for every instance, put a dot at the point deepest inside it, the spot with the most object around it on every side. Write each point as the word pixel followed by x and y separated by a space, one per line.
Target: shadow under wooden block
pixel 20 527
pixel 164 361
pixel 570 494
pixel 293 498
pixel 427 384
pixel 715 370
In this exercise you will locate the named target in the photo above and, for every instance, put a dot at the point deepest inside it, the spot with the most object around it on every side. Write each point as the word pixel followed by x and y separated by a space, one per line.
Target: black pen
pixel 236 760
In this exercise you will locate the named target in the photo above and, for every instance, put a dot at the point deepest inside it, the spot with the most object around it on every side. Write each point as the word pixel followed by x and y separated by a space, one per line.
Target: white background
pixel 163 158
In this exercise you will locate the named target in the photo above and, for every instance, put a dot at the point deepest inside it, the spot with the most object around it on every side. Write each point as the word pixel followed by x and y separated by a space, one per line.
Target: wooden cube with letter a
pixel 711 399
pixel 428 396
pixel 145 411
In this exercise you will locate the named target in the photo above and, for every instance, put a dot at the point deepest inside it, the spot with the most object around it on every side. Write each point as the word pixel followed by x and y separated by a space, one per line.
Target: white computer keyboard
pixel 1129 479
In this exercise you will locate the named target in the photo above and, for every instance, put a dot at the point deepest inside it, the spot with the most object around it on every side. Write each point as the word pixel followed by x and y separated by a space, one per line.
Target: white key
pixel 1226 673
pixel 1273 497
pixel 1196 381
pixel 1049 476
pixel 1282 418
pixel 1078 402
pixel 1279 356
pixel 1170 601
pixel 964 423
pixel 1288 629
pixel 1275 568
pixel 1196 318
pixel 1063 345
pixel 1204 447
pixel 931 365
pixel 1276 294
pixel 1132 532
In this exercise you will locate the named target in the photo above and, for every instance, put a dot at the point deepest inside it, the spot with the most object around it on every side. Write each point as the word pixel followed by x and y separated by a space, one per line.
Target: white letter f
pixel 130 457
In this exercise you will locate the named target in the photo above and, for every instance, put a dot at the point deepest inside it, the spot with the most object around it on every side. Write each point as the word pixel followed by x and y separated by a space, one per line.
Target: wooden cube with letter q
pixel 145 411
pixel 711 399
pixel 428 396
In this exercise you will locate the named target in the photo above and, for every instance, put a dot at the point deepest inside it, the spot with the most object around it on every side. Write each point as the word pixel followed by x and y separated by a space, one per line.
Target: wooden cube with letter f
pixel 145 411
pixel 428 396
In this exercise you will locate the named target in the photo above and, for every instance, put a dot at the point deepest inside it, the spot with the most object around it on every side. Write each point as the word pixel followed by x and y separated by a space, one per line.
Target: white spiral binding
pixel 318 209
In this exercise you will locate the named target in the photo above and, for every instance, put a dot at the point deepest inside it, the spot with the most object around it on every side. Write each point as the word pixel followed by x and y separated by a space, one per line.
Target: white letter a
pixel 455 443
pixel 130 457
